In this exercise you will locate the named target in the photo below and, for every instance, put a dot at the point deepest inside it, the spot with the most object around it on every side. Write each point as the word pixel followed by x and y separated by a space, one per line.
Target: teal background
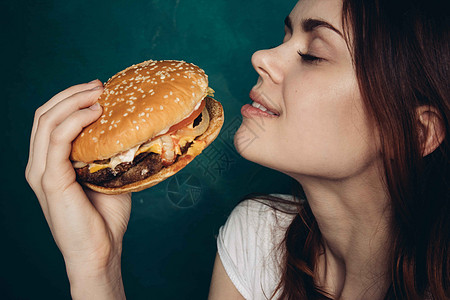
pixel 47 46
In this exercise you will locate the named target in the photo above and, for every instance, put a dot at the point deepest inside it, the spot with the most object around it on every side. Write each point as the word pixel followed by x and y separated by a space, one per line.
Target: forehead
pixel 327 10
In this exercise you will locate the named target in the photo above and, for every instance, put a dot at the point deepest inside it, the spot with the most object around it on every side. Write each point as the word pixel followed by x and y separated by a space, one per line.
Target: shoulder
pixel 247 241
pixel 258 218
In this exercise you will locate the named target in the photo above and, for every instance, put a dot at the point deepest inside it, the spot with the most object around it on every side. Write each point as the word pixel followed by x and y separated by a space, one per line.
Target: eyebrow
pixel 309 25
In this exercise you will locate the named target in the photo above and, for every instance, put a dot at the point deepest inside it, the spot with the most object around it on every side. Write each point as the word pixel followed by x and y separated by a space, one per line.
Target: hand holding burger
pixel 87 226
pixel 157 117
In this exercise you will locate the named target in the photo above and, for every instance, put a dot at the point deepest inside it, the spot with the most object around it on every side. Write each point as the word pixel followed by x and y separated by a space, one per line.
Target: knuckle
pixel 32 180
pixel 57 137
pixel 45 183
pixel 55 182
pixel 27 173
pixel 38 113
pixel 44 118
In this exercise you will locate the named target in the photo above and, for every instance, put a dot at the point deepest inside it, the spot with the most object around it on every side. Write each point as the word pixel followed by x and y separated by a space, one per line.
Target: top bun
pixel 139 103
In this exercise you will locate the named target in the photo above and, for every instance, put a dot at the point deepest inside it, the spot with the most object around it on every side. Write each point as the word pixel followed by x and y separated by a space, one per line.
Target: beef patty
pixel 144 165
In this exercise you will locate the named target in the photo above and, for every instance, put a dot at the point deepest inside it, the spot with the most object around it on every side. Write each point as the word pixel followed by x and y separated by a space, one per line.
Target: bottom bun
pixel 215 111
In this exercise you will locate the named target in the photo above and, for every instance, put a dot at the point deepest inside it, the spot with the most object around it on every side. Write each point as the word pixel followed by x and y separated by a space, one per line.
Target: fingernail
pixel 93 81
pixel 95 106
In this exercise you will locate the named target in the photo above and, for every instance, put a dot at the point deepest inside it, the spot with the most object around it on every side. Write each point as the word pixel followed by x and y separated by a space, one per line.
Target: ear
pixel 431 128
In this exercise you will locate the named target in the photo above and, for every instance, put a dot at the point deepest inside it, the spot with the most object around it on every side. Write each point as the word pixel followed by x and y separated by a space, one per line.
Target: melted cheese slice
pixel 196 148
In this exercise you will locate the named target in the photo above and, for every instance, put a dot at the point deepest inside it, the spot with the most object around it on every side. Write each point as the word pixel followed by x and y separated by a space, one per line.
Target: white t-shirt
pixel 248 246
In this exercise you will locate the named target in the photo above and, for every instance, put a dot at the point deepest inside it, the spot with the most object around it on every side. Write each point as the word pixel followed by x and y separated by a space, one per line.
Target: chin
pixel 251 146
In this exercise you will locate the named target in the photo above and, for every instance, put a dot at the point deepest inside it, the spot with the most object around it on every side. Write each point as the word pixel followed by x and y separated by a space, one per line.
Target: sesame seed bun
pixel 139 105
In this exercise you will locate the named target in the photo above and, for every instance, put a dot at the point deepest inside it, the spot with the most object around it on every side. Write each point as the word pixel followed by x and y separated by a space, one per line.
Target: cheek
pixel 328 136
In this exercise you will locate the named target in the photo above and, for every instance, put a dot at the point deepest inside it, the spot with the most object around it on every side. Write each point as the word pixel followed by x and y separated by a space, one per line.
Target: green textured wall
pixel 47 46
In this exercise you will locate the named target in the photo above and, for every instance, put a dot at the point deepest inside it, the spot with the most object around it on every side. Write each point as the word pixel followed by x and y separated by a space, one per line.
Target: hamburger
pixel 157 117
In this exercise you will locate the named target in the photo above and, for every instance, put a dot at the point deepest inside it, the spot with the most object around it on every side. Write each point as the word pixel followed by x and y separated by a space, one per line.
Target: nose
pixel 268 64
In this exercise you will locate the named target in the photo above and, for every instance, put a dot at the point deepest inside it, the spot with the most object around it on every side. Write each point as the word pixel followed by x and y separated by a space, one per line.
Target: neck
pixel 353 216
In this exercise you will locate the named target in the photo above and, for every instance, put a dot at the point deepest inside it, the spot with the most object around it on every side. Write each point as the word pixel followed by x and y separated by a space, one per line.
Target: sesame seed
pixel 90 130
pixel 125 114
pixel 161 107
pixel 170 93
pixel 82 134
pixel 166 96
pixel 117 142
pixel 102 132
pixel 137 127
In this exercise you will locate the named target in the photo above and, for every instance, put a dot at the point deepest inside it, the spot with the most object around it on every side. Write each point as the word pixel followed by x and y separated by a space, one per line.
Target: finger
pixel 50 120
pixel 59 169
pixel 53 101
pixel 67 93
pixel 57 179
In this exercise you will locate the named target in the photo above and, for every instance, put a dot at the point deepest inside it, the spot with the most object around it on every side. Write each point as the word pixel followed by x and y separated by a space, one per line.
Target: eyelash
pixel 311 59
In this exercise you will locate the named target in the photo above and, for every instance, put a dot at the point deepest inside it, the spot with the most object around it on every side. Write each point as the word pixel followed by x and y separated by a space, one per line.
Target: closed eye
pixel 308 58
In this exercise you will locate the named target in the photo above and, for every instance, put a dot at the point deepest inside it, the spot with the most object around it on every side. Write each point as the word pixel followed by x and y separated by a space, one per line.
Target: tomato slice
pixel 189 119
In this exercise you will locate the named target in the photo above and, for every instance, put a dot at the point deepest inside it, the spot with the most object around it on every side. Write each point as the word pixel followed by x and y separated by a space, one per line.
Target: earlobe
pixel 431 128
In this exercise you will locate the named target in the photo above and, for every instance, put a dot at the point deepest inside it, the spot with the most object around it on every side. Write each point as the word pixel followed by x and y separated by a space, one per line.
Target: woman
pixel 359 115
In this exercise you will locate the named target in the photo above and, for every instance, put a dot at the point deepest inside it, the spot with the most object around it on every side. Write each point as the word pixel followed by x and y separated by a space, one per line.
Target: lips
pixel 263 103
pixel 259 106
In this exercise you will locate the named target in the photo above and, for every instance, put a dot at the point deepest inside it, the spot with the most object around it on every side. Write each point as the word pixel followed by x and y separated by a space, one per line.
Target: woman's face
pixel 320 127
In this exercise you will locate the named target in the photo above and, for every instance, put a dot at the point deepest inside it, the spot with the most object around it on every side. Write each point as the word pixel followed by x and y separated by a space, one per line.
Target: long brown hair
pixel 401 56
